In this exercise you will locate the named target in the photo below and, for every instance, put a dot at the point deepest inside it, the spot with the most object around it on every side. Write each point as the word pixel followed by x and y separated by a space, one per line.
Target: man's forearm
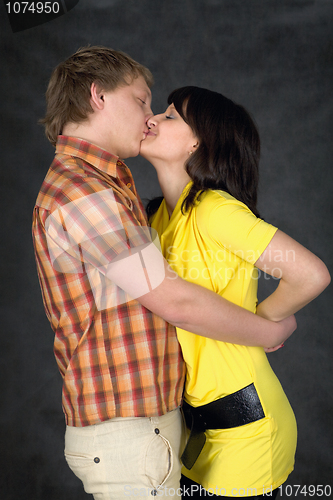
pixel 228 322
pixel 189 306
pixel 201 311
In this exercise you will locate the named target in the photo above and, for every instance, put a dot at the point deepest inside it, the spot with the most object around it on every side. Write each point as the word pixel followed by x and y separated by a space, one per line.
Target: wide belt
pixel 240 408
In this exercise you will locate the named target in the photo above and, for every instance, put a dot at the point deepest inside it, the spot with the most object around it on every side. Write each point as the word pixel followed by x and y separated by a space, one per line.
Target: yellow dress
pixel 215 245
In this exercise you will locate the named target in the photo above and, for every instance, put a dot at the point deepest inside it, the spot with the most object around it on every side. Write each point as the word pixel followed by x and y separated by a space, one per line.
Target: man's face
pixel 126 112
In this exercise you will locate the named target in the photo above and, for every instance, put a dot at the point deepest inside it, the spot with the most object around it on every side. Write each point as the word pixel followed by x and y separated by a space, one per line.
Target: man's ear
pixel 96 97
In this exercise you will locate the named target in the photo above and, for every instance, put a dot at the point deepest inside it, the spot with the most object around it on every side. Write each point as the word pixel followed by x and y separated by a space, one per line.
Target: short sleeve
pixel 231 224
pixel 94 229
pixel 98 235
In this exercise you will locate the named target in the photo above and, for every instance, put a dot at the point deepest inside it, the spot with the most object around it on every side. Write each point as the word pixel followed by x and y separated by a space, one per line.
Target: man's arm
pixel 128 257
pixel 195 308
pixel 303 276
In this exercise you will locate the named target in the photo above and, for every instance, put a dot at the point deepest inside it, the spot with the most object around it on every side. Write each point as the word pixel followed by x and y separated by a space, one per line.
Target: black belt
pixel 240 408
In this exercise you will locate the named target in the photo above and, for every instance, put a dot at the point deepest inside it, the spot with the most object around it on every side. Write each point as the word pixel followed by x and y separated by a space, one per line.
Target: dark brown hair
pixel 68 93
pixel 227 156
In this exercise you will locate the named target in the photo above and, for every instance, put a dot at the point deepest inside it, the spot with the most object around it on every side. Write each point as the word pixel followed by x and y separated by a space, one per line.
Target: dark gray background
pixel 274 57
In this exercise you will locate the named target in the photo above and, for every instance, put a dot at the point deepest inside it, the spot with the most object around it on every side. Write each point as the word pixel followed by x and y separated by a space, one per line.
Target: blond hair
pixel 68 93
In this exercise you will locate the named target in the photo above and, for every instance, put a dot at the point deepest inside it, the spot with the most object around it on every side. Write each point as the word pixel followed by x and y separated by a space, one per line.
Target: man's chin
pixel 142 149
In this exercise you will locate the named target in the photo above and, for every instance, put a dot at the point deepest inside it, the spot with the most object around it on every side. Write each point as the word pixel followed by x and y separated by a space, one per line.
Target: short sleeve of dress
pixel 231 224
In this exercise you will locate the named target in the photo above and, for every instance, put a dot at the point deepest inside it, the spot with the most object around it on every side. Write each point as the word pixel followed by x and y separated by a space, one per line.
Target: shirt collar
pixel 94 155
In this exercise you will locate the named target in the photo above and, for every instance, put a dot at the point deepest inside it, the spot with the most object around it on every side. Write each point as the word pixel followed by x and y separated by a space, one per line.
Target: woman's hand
pixel 287 326
pixel 273 349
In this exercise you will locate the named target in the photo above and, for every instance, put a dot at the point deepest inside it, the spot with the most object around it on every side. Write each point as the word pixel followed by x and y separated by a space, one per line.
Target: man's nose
pixel 149 114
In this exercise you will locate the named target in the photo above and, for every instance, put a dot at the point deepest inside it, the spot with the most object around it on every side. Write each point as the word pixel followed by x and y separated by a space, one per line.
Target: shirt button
pixel 129 185
pixel 157 431
pixel 119 163
pixel 96 460
pixel 153 493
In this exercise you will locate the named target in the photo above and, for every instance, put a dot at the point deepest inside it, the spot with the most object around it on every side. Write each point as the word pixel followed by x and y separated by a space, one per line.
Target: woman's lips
pixel 149 133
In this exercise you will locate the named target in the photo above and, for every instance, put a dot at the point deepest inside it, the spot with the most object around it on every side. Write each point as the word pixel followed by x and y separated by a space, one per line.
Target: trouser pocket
pixel 158 461
pixel 87 468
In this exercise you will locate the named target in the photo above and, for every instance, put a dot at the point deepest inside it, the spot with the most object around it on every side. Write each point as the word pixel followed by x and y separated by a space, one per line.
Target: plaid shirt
pixel 117 358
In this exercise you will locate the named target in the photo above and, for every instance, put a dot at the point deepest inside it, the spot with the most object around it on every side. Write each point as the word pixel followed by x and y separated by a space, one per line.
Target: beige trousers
pixel 125 458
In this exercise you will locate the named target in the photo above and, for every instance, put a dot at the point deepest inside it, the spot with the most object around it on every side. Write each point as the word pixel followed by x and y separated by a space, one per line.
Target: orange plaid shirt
pixel 116 357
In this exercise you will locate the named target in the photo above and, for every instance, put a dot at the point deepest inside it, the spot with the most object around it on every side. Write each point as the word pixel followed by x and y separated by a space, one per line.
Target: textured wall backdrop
pixel 274 57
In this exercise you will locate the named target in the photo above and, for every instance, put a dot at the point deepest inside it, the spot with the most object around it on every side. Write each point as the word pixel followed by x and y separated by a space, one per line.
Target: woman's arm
pixel 303 276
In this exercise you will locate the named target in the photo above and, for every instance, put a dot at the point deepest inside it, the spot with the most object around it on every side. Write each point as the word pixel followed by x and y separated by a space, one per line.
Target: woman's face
pixel 169 139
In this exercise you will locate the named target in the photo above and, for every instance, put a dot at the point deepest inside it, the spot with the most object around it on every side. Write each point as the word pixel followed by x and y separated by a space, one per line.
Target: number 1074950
pixel 311 490
pixel 33 7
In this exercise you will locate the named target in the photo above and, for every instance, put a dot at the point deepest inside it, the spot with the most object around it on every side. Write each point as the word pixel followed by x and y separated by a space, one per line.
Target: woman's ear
pixel 194 147
pixel 96 97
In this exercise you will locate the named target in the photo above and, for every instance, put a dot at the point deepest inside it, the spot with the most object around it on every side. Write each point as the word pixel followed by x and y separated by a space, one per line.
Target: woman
pixel 205 149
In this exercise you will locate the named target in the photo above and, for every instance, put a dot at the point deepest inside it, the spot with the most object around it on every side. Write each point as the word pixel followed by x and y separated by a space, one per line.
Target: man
pixel 110 297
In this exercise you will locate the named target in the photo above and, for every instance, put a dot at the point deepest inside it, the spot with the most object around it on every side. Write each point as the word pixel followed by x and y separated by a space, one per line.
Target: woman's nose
pixel 151 122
